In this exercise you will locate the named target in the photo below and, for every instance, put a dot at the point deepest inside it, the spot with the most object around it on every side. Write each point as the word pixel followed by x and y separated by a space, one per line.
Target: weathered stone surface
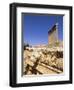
pixel 49 56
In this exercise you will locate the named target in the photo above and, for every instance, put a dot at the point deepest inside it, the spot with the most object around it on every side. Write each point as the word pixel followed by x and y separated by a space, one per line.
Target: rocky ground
pixel 38 60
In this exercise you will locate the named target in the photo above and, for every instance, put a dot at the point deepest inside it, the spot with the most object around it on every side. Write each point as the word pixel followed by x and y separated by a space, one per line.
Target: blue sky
pixel 36 27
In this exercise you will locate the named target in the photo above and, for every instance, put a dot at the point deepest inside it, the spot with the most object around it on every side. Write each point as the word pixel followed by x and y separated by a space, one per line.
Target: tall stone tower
pixel 53 35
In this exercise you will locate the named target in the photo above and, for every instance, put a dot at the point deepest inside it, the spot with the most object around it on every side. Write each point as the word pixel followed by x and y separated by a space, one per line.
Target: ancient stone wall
pixel 53 35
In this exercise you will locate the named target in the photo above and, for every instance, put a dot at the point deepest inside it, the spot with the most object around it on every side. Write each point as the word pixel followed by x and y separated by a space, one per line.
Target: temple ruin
pixel 43 59
pixel 53 35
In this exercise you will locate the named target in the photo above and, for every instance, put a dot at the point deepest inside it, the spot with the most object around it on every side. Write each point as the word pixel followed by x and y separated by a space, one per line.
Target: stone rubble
pixel 49 56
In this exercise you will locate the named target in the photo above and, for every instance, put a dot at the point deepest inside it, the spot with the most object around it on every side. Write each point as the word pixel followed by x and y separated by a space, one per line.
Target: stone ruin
pixel 44 60
pixel 49 57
